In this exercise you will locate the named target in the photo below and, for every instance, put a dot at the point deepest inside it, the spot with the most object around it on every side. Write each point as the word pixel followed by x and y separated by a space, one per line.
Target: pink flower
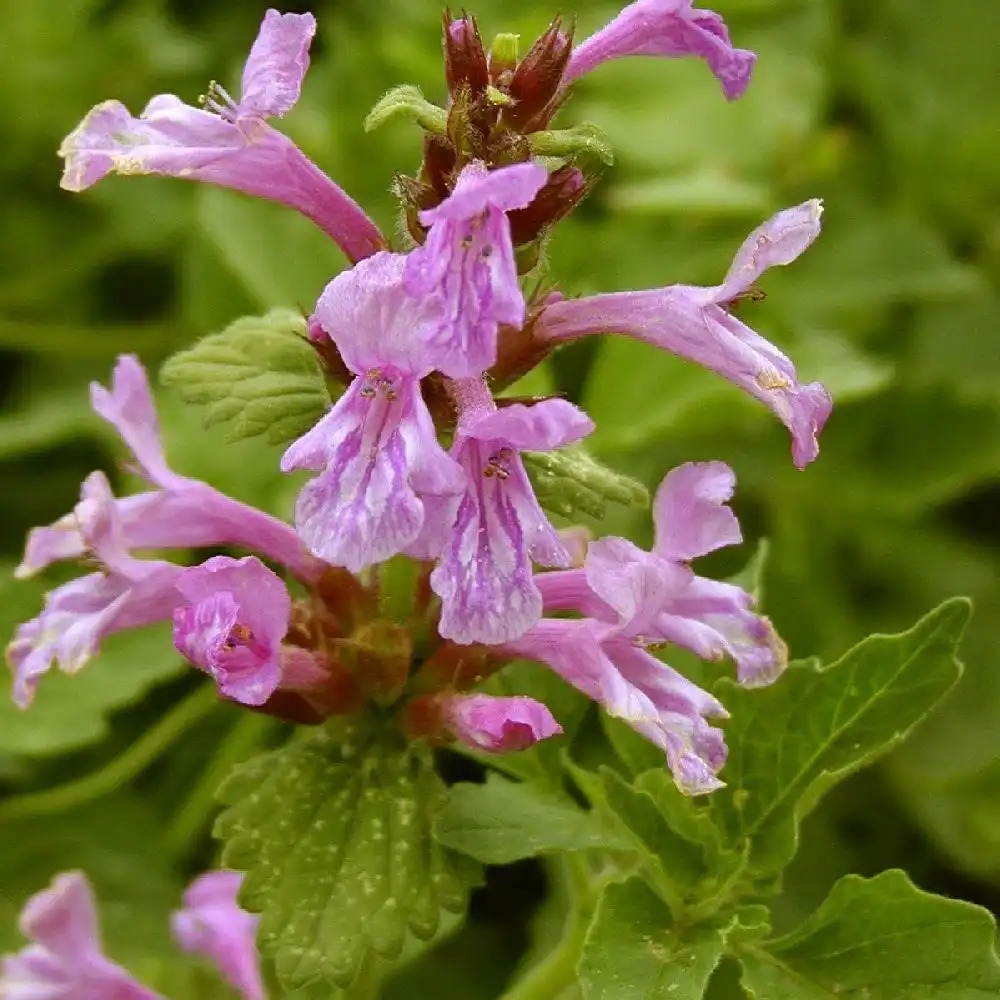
pixel 64 960
pixel 483 575
pixel 497 725
pixel 179 513
pixel 376 449
pixel 232 623
pixel 697 324
pixel 467 266
pixel 230 143
pixel 667 28
pixel 212 923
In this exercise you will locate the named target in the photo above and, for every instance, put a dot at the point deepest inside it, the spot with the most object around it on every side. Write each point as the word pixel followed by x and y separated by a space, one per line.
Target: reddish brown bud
pixel 326 351
pixel 464 55
pixel 414 196
pixel 537 79
pixel 439 165
pixel 458 667
pixel 562 192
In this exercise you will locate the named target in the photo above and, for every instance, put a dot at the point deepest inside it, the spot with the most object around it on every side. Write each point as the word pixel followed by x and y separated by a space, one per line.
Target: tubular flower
pixel 64 960
pixel 77 616
pixel 227 143
pixel 467 266
pixel 179 513
pixel 231 625
pixel 634 600
pixel 697 324
pixel 667 28
pixel 483 575
pixel 212 923
pixel 377 447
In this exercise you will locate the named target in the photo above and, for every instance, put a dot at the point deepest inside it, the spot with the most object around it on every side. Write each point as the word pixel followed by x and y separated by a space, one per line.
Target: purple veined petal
pixel 374 445
pixel 277 64
pixel 636 584
pixel 498 725
pixel 79 615
pixel 686 321
pixel 128 407
pixel 668 28
pixel 212 923
pixel 542 426
pixel 777 242
pixel 367 313
pixel 466 268
pixel 65 960
pixel 691 513
pixel 569 590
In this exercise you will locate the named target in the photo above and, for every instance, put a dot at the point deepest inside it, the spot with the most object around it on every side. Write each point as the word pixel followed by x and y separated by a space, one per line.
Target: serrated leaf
pixel 634 951
pixel 880 939
pixel 791 742
pixel 407 101
pixel 570 482
pixel 334 832
pixel 259 376
pixel 673 864
pixel 580 141
pixel 504 821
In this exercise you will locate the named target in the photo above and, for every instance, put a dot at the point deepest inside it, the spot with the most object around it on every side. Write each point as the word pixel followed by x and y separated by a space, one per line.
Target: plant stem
pixel 123 768
pixel 557 971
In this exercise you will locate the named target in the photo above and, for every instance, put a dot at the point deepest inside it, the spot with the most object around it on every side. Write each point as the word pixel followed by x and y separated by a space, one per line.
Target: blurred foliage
pixel 887 111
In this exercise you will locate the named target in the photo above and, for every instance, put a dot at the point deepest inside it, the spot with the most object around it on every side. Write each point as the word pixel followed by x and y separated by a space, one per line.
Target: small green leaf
pixel 259 376
pixel 633 950
pixel 408 101
pixel 880 939
pixel 581 140
pixel 334 832
pixel 674 865
pixel 789 743
pixel 570 482
pixel 504 821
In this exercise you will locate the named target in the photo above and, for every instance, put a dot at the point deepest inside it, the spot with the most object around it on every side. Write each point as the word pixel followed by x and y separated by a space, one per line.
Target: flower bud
pixel 464 56
pixel 562 192
pixel 537 79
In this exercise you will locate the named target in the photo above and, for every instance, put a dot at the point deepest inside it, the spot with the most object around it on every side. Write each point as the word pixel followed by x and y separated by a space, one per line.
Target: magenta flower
pixel 212 923
pixel 697 324
pixel 634 600
pixel 377 447
pixel 498 725
pixel 65 960
pixel 77 616
pixel 228 143
pixel 667 28
pixel 231 625
pixel 483 575
pixel 179 513
pixel 467 266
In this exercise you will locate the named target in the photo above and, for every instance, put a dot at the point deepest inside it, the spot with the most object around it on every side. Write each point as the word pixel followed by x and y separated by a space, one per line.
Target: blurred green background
pixel 890 112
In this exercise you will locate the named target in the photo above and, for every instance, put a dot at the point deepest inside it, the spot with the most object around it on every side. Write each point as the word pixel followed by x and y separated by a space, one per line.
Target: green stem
pixel 557 971
pixel 240 742
pixel 122 769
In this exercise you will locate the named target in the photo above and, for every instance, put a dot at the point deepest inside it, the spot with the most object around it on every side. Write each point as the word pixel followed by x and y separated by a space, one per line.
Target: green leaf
pixel 504 821
pixel 633 950
pixel 789 743
pixel 581 140
pixel 880 939
pixel 71 711
pixel 407 101
pixel 334 832
pixel 570 482
pixel 259 376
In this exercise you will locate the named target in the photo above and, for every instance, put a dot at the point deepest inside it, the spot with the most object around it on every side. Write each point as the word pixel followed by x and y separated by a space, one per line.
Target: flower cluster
pixel 418 459
pixel 65 960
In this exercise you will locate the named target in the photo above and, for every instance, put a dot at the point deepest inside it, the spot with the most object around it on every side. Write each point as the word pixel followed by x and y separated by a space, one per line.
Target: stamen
pixel 217 100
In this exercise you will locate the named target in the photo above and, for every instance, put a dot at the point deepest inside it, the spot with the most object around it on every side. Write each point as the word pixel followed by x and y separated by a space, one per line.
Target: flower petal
pixel 690 511
pixel 277 64
pixel 498 725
